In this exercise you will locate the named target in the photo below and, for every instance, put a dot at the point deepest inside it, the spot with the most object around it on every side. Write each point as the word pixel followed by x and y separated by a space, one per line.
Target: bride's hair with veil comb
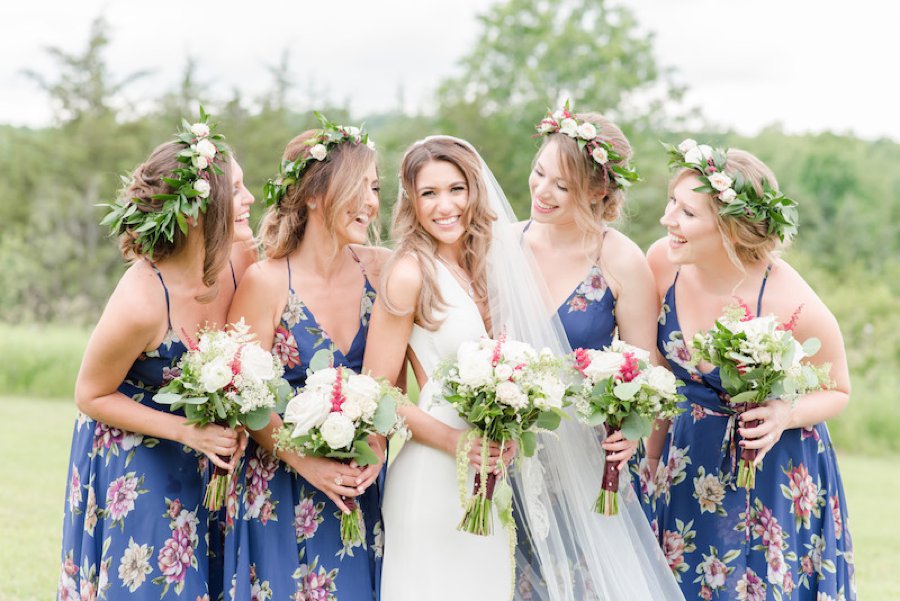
pixel 413 240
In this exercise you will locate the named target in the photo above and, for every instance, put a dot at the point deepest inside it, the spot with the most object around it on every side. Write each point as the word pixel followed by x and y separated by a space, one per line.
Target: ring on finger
pixel 339 480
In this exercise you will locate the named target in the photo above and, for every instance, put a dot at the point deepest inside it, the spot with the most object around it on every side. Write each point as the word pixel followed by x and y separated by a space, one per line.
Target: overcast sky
pixel 809 65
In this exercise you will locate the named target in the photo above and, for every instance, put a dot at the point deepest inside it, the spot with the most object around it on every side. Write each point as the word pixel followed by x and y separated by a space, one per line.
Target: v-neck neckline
pixel 325 335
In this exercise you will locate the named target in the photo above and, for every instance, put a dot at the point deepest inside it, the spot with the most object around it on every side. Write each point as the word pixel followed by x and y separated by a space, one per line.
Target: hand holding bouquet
pixel 333 416
pixel 508 392
pixel 228 379
pixel 758 359
pixel 622 391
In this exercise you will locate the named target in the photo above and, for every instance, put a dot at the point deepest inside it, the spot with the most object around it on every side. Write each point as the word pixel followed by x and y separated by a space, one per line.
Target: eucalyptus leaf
pixel 364 454
pixel 323 359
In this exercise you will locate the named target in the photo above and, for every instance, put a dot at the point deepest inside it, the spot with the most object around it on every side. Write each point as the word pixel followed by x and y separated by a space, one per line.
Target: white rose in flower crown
pixel 662 379
pixel 558 116
pixel 474 364
pixel 215 375
pixel 207 149
pixel 201 130
pixel 307 410
pixel 587 131
pixel 600 155
pixel 352 409
pixel 256 364
pixel 706 150
pixel 318 152
pixel 202 187
pixel 728 195
pixel 568 127
pixel 720 181
pixel 686 145
pixel 350 130
pixel 603 365
pixel 337 430
pixel 503 372
pixel 200 162
pixel 693 156
pixel 547 125
pixel 510 394
pixel 323 378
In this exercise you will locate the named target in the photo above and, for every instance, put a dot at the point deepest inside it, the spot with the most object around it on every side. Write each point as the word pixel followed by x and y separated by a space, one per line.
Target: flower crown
pixel 739 197
pixel 585 133
pixel 190 189
pixel 324 141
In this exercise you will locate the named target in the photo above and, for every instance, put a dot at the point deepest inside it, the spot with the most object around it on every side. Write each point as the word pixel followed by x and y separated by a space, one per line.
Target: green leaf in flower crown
pixel 321 360
pixel 528 443
pixel 811 346
pixel 636 426
pixel 385 415
pixel 503 494
pixel 166 398
pixel 626 390
pixel 258 418
pixel 364 454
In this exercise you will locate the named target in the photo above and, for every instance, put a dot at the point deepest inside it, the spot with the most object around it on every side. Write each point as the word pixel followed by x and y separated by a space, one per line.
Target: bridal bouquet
pixel 333 416
pixel 622 391
pixel 758 359
pixel 226 378
pixel 508 392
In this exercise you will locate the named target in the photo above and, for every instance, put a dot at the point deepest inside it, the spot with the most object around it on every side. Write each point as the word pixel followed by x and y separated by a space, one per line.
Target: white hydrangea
pixel 256 364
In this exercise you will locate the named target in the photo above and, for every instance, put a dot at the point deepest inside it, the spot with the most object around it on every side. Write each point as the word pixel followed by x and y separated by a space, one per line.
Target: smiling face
pixel 551 199
pixel 442 196
pixel 691 222
pixel 243 199
pixel 359 217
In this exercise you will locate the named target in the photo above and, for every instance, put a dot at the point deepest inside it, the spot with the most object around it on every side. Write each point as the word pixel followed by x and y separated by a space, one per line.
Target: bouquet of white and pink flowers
pixel 759 359
pixel 226 378
pixel 333 416
pixel 508 392
pixel 622 391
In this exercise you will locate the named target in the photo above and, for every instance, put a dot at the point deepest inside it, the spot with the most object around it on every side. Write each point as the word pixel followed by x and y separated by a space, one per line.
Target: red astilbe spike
pixel 582 360
pixel 630 368
pixel 190 341
pixel 792 322
pixel 337 393
pixel 748 315
pixel 498 350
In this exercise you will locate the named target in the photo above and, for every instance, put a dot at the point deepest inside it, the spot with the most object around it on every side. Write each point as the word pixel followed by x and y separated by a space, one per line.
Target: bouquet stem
pixel 746 476
pixel 217 489
pixel 478 519
pixel 608 500
pixel 353 529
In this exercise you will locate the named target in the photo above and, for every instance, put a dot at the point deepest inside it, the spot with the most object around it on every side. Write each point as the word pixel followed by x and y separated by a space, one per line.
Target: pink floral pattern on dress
pixel 284 346
pixel 177 555
pixel 307 516
pixel 314 583
pixel 750 587
pixel 675 544
pixel 261 469
pixel 121 496
pixel 590 290
pixel 805 495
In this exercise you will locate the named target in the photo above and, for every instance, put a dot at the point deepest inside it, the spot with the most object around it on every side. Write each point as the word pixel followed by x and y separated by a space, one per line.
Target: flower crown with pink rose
pixel 604 156
pixel 190 189
pixel 320 144
pixel 737 195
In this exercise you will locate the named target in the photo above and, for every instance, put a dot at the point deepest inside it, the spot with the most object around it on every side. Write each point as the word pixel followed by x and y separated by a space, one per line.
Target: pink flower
pixel 806 565
pixel 175 557
pixel 697 412
pixel 316 585
pixel 673 547
pixel 788 583
pixel 578 303
pixel 285 347
pixel 74 490
pixel 105 436
pixel 705 592
pixel 714 572
pixel 265 512
pixel 69 566
pixel 306 519
pixel 836 516
pixel 803 491
pixel 120 496
pixel 88 592
pixel 175 508
pixel 751 587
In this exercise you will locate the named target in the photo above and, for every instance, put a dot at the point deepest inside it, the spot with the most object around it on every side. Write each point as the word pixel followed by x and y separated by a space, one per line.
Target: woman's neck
pixel 185 268
pixel 559 236
pixel 319 252
pixel 718 275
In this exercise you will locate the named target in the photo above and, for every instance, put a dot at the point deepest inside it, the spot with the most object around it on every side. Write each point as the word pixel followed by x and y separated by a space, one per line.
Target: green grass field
pixel 35 448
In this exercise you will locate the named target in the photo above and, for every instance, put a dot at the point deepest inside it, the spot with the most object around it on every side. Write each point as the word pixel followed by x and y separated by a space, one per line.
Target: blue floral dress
pixel 282 535
pixel 135 526
pixel 785 539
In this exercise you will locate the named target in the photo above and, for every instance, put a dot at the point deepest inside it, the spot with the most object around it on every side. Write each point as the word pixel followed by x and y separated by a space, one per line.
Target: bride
pixel 460 273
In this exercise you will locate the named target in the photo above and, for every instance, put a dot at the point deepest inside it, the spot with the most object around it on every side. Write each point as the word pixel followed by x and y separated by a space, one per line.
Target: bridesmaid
pixel 787 538
pixel 135 526
pixel 314 291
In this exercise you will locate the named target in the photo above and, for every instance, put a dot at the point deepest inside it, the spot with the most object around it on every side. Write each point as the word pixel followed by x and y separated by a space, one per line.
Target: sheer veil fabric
pixel 566 551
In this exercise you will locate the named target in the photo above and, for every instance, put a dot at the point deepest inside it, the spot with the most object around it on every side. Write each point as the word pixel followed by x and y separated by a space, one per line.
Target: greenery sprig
pixel 738 196
pixel 203 148
pixel 563 121
pixel 320 145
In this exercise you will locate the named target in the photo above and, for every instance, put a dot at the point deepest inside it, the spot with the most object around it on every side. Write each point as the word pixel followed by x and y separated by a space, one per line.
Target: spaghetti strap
pixel 288 261
pixel 358 261
pixel 233 277
pixel 762 289
pixel 166 290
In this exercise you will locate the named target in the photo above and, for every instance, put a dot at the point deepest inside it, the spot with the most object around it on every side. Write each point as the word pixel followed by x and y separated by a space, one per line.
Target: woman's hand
pixel 215 442
pixel 495 453
pixel 775 416
pixel 621 449
pixel 370 473
pixel 333 478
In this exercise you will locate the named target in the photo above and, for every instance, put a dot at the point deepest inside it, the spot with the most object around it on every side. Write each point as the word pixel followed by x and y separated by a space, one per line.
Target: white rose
pixel 662 379
pixel 693 156
pixel 587 131
pixel 201 130
pixel 720 181
pixel 364 390
pixel 623 347
pixel 686 145
pixel 706 150
pixel 318 152
pixel 558 116
pixel 207 149
pixel 352 409
pixel 200 162
pixel 603 365
pixel 509 394
pixel 727 195
pixel 215 375
pixel 323 378
pixel 518 352
pixel 307 410
pixel 600 155
pixel 202 187
pixel 568 127
pixel 256 364
pixel 474 365
pixel 503 372
pixel 337 430
pixel 554 390
pixel 350 130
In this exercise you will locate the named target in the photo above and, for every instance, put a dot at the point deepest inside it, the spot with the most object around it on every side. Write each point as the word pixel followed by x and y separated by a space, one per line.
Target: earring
pixel 311 205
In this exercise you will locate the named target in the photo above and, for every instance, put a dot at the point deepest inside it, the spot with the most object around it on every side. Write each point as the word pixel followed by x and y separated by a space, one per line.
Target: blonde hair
pixel 216 223
pixel 745 241
pixel 337 183
pixel 413 240
pixel 597 199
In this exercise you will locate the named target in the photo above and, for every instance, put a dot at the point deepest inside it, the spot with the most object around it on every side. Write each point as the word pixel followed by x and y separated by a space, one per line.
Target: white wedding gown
pixel 425 556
